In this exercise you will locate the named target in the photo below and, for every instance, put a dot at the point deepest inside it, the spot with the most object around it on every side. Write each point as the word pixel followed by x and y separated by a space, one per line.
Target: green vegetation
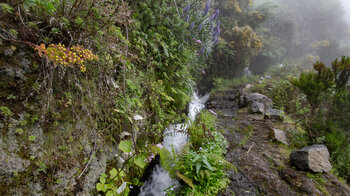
pixel 248 131
pixel 320 182
pixel 225 84
pixel 92 67
pixel 82 81
pixel 329 97
pixel 201 165
pixel 6 111
pixel 320 104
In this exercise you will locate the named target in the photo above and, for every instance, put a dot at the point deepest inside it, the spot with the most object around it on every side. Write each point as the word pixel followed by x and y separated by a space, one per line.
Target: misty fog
pixel 346 6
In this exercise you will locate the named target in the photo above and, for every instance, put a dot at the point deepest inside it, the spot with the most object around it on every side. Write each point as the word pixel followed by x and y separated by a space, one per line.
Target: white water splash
pixel 175 137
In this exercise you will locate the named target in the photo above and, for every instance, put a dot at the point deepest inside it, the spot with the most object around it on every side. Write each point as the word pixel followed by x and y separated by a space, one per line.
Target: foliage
pixel 328 94
pixel 109 184
pixel 225 84
pixel 201 130
pixel 298 139
pixel 205 172
pixel 147 55
pixel 125 145
pixel 320 102
pixel 6 111
pixel 201 165
pixel 338 143
pixel 279 90
pixel 239 41
pixel 325 83
pixel 278 31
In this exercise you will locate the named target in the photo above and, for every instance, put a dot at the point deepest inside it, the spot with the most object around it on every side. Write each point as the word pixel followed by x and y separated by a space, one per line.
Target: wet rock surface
pixel 263 166
pixel 278 135
pixel 314 158
pixel 273 114
pixel 257 108
pixel 245 99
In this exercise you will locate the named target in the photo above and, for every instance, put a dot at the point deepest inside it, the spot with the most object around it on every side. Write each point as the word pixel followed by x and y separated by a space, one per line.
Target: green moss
pixel 320 182
pixel 248 131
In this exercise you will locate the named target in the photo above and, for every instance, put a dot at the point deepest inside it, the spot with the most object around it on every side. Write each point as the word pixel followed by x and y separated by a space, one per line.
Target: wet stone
pixel 314 158
pixel 278 135
pixel 257 108
pixel 273 114
pixel 245 99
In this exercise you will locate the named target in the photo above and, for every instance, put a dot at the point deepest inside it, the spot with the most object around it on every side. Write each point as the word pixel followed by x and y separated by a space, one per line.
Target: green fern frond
pixel 226 163
pixel 207 173
pixel 185 179
pixel 201 174
pixel 167 161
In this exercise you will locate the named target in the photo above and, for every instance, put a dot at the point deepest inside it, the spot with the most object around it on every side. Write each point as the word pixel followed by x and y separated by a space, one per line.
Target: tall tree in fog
pixel 239 41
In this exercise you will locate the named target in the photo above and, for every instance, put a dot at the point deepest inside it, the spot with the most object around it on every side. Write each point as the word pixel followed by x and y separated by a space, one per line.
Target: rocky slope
pixel 264 164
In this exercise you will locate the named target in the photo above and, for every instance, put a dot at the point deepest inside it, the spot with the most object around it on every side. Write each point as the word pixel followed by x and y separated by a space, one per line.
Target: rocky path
pixel 263 164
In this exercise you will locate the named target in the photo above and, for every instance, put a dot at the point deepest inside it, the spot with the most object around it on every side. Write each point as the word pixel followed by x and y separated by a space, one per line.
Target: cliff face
pixel 263 163
pixel 43 149
pixel 61 125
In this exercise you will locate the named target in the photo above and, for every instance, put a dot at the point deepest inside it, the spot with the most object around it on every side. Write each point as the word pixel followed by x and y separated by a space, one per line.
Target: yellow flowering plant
pixel 74 56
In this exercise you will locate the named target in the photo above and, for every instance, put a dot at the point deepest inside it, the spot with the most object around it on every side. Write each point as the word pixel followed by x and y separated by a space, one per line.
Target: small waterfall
pixel 175 137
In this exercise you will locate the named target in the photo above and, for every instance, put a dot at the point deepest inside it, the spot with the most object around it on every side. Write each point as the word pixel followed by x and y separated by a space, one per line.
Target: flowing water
pixel 175 137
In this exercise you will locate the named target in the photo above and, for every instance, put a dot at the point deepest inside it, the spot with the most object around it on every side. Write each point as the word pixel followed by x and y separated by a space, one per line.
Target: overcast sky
pixel 346 4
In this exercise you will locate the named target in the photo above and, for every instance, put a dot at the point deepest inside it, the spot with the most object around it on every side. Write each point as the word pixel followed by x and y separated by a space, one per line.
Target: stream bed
pixel 175 136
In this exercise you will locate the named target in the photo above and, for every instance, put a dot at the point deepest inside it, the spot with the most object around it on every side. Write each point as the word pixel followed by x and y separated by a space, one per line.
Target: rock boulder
pixel 245 99
pixel 257 107
pixel 273 114
pixel 278 135
pixel 314 158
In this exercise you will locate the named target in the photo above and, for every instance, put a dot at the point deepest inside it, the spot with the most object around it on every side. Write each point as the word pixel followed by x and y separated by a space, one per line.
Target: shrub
pixel 201 165
pixel 203 172
pixel 328 94
pixel 279 90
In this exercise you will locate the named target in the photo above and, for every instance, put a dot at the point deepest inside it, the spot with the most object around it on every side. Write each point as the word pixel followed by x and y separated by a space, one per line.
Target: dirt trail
pixel 263 165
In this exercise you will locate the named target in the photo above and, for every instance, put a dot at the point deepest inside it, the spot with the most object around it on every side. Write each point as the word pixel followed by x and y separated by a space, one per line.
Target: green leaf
pixel 79 21
pixel 109 193
pixel 196 158
pixel 125 146
pixel 113 172
pixel 122 174
pixel 6 7
pixel 31 138
pixel 207 164
pixel 140 161
pixel 102 179
pixel 198 167
pixel 14 33
pixel 100 187
pixel 28 4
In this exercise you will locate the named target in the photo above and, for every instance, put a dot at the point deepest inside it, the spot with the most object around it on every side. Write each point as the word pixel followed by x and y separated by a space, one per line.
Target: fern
pixel 226 163
pixel 185 179
pixel 167 161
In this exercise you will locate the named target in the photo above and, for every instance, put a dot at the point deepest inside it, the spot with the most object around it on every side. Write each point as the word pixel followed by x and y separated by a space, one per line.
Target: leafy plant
pixel 108 184
pixel 6 8
pixel 6 111
pixel 125 146
pixel 327 92
pixel 204 172
pixel 201 166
